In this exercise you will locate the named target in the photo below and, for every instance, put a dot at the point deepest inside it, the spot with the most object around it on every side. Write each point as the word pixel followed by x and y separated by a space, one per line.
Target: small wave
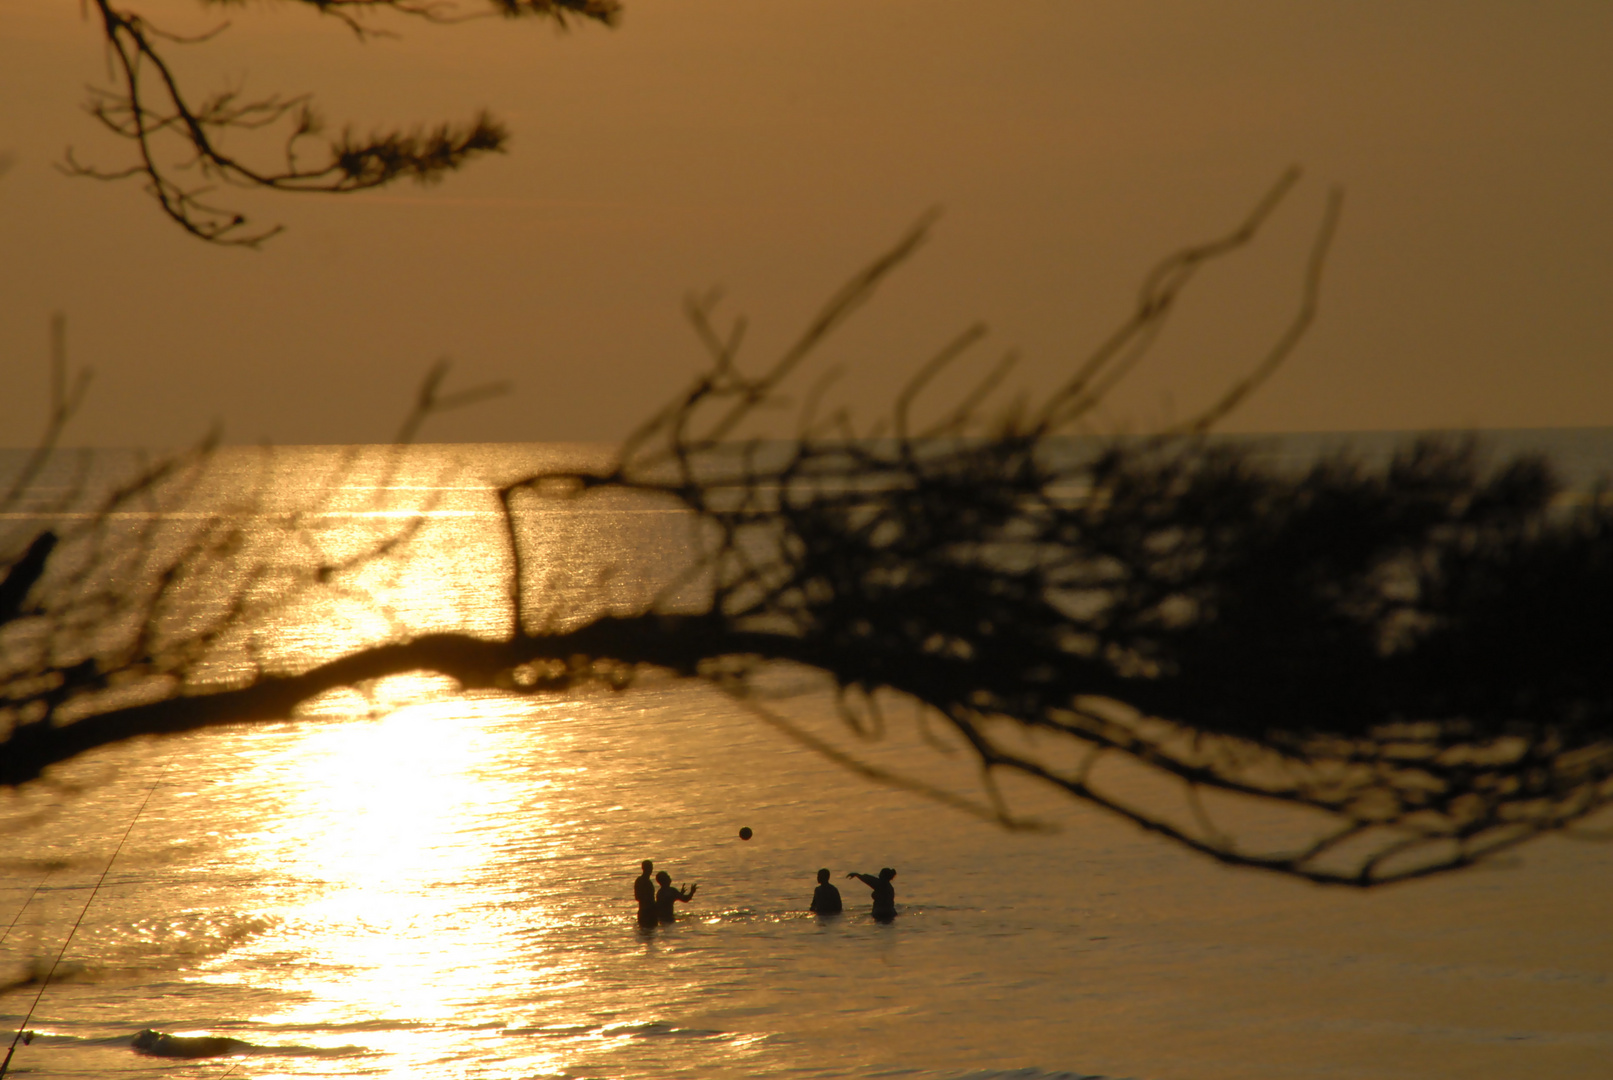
pixel 654 1029
pixel 40 969
pixel 356 1025
pixel 150 1043
pixel 1028 1074
pixel 30 867
pixel 45 1037
pixel 160 1044
pixel 558 1032
pixel 659 1029
pixel 314 1051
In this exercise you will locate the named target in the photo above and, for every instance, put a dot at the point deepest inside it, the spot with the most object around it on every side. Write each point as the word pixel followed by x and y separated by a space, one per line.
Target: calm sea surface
pixel 414 884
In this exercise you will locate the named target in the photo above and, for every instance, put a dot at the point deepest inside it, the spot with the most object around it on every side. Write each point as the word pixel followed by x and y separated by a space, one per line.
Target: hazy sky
pixel 772 146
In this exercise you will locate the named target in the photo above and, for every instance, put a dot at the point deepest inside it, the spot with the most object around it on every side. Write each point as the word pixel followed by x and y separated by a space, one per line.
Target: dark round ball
pixel 745 833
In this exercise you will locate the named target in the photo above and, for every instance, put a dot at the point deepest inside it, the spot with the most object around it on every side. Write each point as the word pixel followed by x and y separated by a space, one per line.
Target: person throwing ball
pixel 884 893
pixel 666 896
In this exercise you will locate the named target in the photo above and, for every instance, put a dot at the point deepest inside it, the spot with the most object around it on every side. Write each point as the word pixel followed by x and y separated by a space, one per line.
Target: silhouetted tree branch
pixel 1417 652
pixel 134 598
pixel 180 139
pixel 1411 658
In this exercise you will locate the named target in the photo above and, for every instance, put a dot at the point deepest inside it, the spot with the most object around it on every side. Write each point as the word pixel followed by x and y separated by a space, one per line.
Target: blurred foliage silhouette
pixel 117 612
pixel 180 139
pixel 1410 659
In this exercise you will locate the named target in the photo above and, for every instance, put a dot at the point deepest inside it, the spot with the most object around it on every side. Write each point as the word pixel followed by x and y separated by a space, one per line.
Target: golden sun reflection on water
pixel 393 915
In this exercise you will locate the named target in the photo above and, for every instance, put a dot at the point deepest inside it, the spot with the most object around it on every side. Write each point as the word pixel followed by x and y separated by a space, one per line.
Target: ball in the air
pixel 745 833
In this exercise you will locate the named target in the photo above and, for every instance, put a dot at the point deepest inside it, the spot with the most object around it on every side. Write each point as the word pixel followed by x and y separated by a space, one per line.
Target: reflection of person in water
pixel 884 893
pixel 644 893
pixel 825 898
pixel 666 896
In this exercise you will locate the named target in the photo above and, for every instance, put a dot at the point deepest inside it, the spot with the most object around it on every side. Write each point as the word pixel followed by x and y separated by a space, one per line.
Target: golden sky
pixel 772 146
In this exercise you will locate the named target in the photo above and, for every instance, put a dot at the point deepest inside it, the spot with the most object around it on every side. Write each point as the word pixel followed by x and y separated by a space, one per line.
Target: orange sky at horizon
pixel 774 148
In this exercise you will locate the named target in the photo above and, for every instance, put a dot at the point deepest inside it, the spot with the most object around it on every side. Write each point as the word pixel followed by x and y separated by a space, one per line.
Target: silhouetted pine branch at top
pixel 1413 655
pixel 179 141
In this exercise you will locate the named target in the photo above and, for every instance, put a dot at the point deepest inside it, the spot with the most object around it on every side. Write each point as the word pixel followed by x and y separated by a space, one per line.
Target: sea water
pixel 413 882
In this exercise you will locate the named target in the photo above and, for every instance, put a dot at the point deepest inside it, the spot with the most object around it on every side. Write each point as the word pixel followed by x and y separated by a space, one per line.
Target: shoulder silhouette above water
pixel 644 894
pixel 825 898
pixel 884 892
pixel 666 896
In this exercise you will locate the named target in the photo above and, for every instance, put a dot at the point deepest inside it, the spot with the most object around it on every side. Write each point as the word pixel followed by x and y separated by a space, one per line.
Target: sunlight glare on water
pixel 389 830
pixel 411 882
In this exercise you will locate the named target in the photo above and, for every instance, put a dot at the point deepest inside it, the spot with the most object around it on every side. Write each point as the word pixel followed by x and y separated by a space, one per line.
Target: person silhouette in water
pixel 666 896
pixel 644 893
pixel 825 898
pixel 884 893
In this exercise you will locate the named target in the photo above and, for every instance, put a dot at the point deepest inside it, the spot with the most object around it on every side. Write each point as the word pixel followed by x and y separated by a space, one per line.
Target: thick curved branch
pixel 1413 654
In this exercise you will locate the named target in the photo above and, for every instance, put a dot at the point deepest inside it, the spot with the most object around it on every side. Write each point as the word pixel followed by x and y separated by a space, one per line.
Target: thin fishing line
pixel 25 904
pixel 12 1049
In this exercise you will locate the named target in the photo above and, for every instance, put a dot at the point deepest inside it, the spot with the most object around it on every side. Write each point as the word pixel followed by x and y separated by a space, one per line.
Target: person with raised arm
pixel 884 893
pixel 666 896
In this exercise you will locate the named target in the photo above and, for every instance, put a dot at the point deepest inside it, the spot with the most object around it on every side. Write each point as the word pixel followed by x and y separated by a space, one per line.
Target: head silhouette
pixel 647 865
pixel 887 873
pixel 823 877
pixel 664 878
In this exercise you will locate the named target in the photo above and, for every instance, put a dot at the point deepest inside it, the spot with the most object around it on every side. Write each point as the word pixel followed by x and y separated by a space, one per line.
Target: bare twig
pixel 180 141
